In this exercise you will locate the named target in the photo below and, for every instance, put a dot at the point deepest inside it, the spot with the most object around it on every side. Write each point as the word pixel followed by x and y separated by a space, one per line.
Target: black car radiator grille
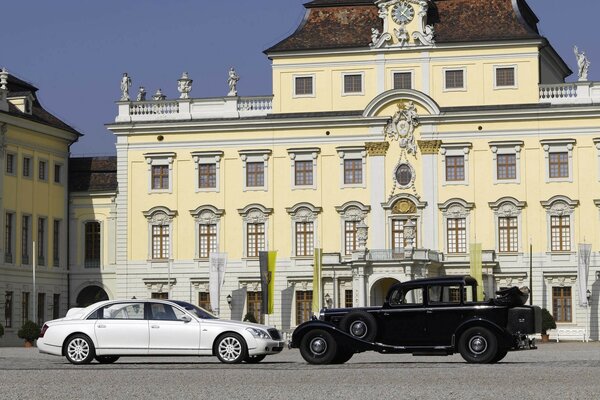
pixel 274 334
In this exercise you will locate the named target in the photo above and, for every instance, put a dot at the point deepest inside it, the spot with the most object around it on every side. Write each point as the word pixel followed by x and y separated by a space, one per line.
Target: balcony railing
pixel 194 109
pixel 570 93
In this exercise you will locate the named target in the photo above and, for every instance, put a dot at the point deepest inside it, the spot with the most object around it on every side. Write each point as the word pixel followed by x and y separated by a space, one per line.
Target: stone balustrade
pixel 194 109
pixel 570 93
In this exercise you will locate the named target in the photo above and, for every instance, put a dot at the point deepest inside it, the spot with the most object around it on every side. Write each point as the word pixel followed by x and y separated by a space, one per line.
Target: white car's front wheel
pixel 79 349
pixel 230 348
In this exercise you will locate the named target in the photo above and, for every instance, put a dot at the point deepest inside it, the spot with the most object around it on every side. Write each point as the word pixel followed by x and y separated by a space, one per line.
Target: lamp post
pixel 588 296
pixel 229 300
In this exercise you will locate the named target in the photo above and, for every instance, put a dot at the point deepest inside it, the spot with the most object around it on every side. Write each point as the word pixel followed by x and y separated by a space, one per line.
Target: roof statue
pixel 583 64
pixel 125 85
pixel 184 86
pixel 141 96
pixel 232 81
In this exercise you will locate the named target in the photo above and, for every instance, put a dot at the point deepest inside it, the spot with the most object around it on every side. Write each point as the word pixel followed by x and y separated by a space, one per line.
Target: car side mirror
pixel 186 318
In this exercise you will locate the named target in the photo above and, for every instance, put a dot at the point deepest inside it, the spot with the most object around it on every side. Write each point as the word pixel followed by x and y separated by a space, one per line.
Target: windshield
pixel 199 311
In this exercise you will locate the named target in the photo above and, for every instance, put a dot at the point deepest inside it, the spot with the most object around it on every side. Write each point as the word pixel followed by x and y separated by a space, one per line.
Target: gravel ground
pixel 554 371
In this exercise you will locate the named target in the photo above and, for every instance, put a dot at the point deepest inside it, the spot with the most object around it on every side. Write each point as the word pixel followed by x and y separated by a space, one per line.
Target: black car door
pixel 445 312
pixel 402 321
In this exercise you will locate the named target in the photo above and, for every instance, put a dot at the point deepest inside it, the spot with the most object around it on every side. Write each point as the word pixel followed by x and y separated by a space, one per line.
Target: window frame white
pixel 515 69
pixel 313 81
pixel 160 216
pixel 558 146
pixel 303 212
pixel 61 168
pixel 411 72
pixel 13 164
pixel 206 215
pixel 13 237
pixel 250 156
pixel 84 223
pixel 40 162
pixel 456 208
pixel 455 150
pixel 351 211
pixel 506 148
pixel 508 207
pixel 362 83
pixel 464 76
pixel 352 153
pixel 207 157
pixel 559 206
pixel 31 162
pixel 254 214
pixel 160 159
pixel 304 154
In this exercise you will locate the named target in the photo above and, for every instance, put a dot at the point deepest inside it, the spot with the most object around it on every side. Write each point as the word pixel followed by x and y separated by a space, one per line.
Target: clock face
pixel 403 13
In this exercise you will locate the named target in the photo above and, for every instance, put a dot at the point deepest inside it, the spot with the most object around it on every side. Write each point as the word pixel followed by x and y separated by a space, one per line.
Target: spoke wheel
pixel 478 345
pixel 231 348
pixel 79 349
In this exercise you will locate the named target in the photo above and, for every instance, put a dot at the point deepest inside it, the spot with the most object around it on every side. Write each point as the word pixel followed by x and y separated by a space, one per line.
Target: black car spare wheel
pixel 318 347
pixel 478 345
pixel 360 324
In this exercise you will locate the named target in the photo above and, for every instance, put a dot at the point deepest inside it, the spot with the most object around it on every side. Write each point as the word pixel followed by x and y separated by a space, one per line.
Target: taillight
pixel 44 329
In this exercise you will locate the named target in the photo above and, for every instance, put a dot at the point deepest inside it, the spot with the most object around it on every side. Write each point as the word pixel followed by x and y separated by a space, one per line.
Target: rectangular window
pixel 561 304
pixel 455 168
pixel 402 80
pixel 505 77
pixel 42 170
pixel 560 233
pixel 160 295
pixel 255 174
pixel 350 236
pixel 208 239
pixel 24 307
pixel 41 241
pixel 506 165
pixel 455 79
pixel 303 173
pixel 255 238
pixel 353 172
pixel 57 173
pixel 254 300
pixel 353 83
pixel 204 301
pixel 304 86
pixel 558 164
pixel 92 245
pixel 304 239
pixel 160 177
pixel 399 242
pixel 303 306
pixel 10 164
pixel 457 235
pixel 41 308
pixel 160 242
pixel 8 309
pixel 25 239
pixel 348 298
pixel 56 306
pixel 508 234
pixel 9 239
pixel 27 167
pixel 56 243
pixel 207 176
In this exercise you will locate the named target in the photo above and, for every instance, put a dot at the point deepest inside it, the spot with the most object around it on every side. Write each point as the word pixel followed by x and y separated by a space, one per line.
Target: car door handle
pixel 101 326
pixel 154 326
pixel 429 311
pixel 386 314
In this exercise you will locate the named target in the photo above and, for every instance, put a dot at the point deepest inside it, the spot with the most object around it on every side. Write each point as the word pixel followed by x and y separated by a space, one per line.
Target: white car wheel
pixel 231 348
pixel 79 349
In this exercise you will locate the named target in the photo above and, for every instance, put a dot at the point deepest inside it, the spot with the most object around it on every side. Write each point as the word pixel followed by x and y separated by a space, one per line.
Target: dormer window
pixel 23 103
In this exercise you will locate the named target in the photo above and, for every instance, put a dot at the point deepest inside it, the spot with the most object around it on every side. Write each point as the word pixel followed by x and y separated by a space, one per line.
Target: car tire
pixel 107 359
pixel 318 347
pixel 230 348
pixel 478 345
pixel 343 355
pixel 255 359
pixel 499 355
pixel 360 324
pixel 79 349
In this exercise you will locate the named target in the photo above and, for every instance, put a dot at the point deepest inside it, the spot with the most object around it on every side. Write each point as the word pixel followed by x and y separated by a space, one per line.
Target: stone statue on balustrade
pixel 159 96
pixel 184 86
pixel 583 64
pixel 232 82
pixel 141 96
pixel 125 85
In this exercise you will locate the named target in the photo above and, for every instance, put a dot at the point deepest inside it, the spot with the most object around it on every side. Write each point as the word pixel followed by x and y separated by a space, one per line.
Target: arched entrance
pixel 380 289
pixel 90 295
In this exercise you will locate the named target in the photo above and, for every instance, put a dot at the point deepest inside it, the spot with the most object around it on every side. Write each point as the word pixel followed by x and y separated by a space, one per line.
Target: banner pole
pixel 34 300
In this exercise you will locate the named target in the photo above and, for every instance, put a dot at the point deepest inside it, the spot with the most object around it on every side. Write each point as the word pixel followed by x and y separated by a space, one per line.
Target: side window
pixel 412 296
pixel 166 312
pixel 124 311
pixel 444 294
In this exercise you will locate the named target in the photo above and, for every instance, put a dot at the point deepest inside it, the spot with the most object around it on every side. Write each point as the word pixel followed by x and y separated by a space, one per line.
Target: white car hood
pixel 236 324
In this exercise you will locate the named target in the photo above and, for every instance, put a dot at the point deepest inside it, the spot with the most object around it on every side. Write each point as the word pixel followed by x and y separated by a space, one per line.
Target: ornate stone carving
pixel 402 127
pixel 508 210
pixel 429 146
pixel 402 12
pixel 426 37
pixel 583 64
pixel 560 208
pixel 160 218
pixel 3 79
pixel 375 149
pixel 457 211
pixel 141 95
pixel 378 39
pixel 255 216
pixel 402 35
pixel 232 81
pixel 184 86
pixel 159 96
pixel 404 206
pixel 125 85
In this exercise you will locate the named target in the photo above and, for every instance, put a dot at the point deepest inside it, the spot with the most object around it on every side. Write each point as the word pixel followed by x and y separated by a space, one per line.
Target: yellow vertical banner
pixel 476 267
pixel 272 258
pixel 316 306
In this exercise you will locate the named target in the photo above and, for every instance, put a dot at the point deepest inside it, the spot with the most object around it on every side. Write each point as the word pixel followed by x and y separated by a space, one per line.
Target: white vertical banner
pixel 217 262
pixel 583 267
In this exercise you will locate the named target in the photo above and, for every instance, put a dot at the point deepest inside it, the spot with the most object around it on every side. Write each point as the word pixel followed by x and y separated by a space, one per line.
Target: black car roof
pixel 443 280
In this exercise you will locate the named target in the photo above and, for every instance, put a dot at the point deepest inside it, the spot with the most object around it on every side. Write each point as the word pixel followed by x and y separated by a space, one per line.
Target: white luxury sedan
pixel 110 329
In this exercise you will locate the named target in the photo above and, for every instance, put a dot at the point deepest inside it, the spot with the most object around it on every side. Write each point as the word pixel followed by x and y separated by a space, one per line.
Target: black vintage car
pixel 434 316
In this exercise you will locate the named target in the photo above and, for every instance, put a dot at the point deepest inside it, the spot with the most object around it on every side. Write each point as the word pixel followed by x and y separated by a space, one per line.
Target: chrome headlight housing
pixel 258 333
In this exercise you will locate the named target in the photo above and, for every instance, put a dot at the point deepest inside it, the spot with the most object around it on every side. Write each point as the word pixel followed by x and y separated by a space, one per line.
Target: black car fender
pixel 504 338
pixel 341 337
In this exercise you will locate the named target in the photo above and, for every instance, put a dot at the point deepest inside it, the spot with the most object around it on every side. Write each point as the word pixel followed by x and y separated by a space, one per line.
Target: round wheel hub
pixel 318 346
pixel 358 329
pixel 478 344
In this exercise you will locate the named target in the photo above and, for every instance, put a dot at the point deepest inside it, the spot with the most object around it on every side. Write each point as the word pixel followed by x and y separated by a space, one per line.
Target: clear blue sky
pixel 75 51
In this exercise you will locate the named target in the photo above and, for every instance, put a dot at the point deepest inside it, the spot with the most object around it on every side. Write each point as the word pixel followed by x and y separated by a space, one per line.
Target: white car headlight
pixel 258 333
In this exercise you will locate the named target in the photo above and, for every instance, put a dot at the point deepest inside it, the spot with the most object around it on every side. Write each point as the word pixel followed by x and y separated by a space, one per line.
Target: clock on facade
pixel 403 13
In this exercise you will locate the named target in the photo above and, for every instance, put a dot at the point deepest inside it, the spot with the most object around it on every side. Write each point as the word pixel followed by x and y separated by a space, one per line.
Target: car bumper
pixel 46 348
pixel 266 346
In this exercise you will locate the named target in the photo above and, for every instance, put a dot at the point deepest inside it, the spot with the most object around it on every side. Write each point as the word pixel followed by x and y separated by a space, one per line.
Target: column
pixel 376 152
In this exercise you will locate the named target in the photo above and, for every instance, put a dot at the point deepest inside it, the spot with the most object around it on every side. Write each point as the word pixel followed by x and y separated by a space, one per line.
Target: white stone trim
pixel 410 71
pixel 343 83
pixel 350 211
pixel 352 153
pixel 455 149
pixel 508 207
pixel 558 146
pixel 597 145
pixel 254 214
pixel 464 72
pixel 453 209
pixel 303 154
pixel 15 163
pixel 46 170
pixel 207 157
pixel 61 177
pixel 506 147
pixel 560 206
pixel 206 215
pixel 314 85
pixel 255 156
pixel 81 236
pixel 160 216
pixel 516 74
pixel 156 159
pixel 304 212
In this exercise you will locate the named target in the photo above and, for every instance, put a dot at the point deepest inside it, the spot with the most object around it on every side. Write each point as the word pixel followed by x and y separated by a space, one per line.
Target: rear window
pixel 407 296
